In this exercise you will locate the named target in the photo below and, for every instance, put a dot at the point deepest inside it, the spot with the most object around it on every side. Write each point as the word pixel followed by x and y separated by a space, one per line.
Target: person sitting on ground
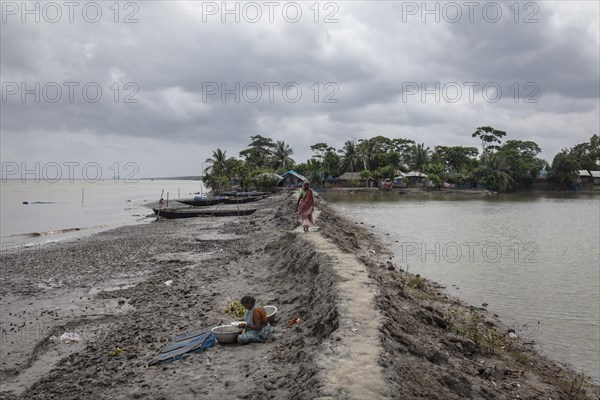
pixel 258 329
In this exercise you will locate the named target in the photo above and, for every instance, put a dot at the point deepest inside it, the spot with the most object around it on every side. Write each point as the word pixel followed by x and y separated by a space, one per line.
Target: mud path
pixel 349 360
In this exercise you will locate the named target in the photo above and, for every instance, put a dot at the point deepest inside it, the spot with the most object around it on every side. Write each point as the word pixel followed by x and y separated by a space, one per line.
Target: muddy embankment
pixel 111 289
pixel 329 286
pixel 437 347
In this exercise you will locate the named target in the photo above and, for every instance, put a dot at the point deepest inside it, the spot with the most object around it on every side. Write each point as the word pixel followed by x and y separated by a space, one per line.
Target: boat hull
pixel 241 200
pixel 177 213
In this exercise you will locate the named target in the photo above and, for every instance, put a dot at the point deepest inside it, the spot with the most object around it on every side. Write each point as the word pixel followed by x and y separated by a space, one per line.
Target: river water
pixel 67 209
pixel 535 260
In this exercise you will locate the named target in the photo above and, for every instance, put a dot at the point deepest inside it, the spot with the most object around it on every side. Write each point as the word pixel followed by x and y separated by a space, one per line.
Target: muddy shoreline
pixel 110 289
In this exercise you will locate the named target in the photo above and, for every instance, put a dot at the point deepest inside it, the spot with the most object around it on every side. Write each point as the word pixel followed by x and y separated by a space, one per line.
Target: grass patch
pixel 488 340
pixel 576 385
pixel 417 282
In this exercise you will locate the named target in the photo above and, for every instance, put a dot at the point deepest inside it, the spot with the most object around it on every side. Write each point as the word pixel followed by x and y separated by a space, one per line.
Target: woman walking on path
pixel 306 201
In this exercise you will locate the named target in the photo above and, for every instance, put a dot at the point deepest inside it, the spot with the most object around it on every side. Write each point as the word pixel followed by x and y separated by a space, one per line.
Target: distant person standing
pixel 306 201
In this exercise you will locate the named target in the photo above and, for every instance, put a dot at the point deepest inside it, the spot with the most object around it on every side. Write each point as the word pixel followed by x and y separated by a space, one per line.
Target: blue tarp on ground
pixel 190 342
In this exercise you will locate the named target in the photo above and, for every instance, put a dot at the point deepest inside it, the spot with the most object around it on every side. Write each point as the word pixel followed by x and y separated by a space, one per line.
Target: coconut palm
pixel 495 173
pixel 366 151
pixel 281 156
pixel 419 156
pixel 349 159
pixel 217 163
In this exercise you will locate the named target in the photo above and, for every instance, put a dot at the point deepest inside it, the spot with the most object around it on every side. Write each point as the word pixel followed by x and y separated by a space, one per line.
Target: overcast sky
pixel 179 79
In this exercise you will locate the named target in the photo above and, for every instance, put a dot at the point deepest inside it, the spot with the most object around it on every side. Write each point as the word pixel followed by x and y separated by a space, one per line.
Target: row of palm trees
pixel 500 166
pixel 278 159
pixel 351 157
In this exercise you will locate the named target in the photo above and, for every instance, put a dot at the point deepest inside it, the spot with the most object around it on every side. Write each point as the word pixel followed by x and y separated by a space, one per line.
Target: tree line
pixel 499 165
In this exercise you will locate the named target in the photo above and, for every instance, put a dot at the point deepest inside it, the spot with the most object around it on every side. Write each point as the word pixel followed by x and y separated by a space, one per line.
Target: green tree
pixel 366 174
pixel 311 169
pixel 402 147
pixel 378 152
pixel 216 163
pixel 521 158
pixel 588 154
pixel 386 172
pixel 366 152
pixel 319 149
pixel 456 158
pixel 490 139
pixel 220 171
pixel 349 157
pixel 494 174
pixel 384 152
pixel 564 168
pixel 435 179
pixel 418 156
pixel 584 156
pixel 331 162
pixel 325 160
pixel 281 156
pixel 244 174
pixel 259 151
pixel 436 171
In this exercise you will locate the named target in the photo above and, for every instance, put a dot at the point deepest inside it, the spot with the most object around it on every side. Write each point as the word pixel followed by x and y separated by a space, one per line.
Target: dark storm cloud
pixel 373 56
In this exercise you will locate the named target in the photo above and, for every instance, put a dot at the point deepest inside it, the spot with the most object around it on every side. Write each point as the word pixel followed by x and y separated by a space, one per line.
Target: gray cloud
pixel 371 55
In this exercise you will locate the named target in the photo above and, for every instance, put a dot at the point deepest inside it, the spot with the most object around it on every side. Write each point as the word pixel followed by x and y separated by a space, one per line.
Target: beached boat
pixel 246 194
pixel 241 200
pixel 192 212
pixel 202 201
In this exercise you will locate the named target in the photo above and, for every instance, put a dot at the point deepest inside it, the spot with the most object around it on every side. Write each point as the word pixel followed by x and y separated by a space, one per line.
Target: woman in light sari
pixel 306 201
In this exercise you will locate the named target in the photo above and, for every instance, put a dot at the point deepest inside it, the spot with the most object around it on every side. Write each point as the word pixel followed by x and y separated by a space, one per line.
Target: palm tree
pixel 419 156
pixel 281 156
pixel 495 173
pixel 217 163
pixel 349 159
pixel 366 151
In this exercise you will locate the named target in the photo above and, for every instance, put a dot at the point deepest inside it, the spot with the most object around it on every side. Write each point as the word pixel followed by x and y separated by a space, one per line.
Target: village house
pixel 584 177
pixel 291 179
pixel 595 177
pixel 353 179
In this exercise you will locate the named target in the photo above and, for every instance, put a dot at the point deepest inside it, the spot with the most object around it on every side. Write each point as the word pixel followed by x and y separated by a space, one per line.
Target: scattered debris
pixel 116 352
pixel 69 337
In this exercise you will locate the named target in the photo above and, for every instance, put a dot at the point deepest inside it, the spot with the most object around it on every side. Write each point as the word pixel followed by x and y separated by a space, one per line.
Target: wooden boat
pixel 241 200
pixel 192 212
pixel 201 201
pixel 246 194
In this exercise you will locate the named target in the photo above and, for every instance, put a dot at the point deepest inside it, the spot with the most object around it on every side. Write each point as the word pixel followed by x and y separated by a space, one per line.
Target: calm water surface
pixel 535 260
pixel 106 204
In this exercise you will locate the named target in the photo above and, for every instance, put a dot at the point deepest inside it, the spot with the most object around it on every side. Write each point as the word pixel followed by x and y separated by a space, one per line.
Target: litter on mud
pixel 190 342
pixel 69 337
